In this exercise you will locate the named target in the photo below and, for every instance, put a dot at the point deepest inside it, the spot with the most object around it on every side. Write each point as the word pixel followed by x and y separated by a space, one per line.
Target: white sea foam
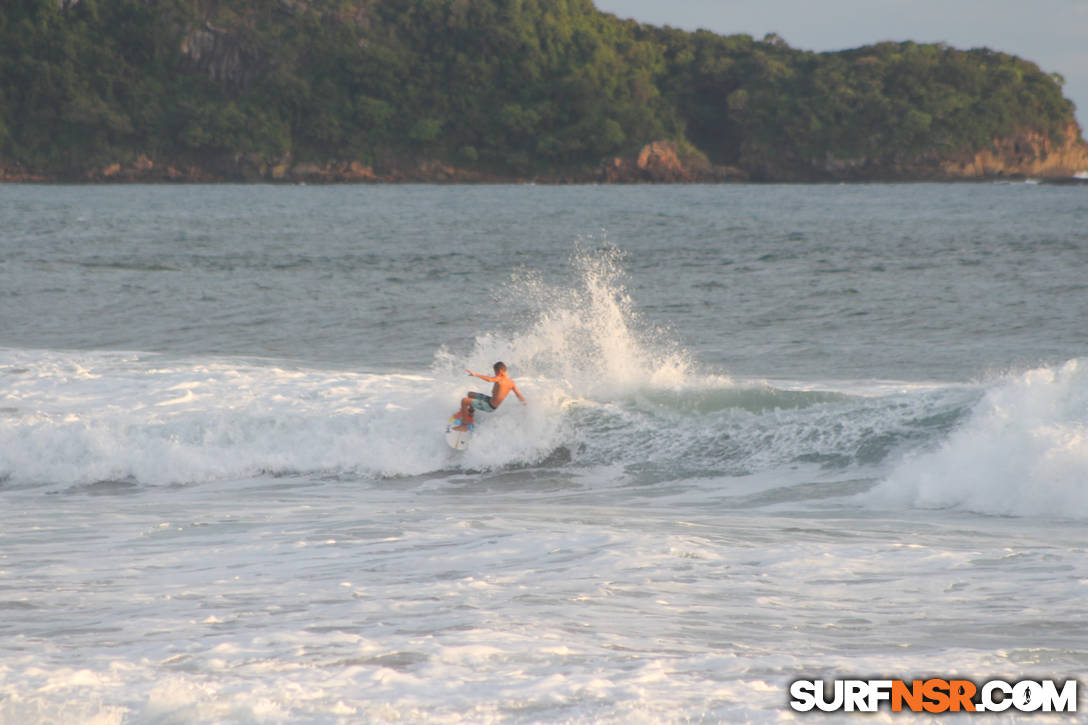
pixel 601 385
pixel 95 418
pixel 582 336
pixel 701 549
pixel 1022 452
pixel 76 418
pixel 488 612
pixel 79 418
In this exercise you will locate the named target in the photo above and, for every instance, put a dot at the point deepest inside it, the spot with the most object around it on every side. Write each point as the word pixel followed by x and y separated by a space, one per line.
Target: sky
pixel 1052 33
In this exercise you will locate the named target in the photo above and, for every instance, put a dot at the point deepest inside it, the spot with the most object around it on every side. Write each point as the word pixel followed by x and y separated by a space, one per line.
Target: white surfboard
pixel 457 439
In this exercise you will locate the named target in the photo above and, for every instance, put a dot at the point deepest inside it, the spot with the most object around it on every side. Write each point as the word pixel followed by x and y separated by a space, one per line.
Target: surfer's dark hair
pixel 499 366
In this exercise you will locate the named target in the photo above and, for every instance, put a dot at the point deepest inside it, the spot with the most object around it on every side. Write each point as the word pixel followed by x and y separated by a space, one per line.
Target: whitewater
pixel 772 433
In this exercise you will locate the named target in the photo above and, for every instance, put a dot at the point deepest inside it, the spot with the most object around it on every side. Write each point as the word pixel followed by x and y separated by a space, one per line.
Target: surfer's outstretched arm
pixel 488 378
pixel 518 393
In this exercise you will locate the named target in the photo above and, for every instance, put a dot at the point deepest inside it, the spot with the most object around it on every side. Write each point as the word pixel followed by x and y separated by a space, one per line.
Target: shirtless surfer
pixel 487 403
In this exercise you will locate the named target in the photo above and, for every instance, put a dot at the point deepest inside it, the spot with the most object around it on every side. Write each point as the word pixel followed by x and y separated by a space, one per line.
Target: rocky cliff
pixel 666 162
pixel 224 56
pixel 1026 154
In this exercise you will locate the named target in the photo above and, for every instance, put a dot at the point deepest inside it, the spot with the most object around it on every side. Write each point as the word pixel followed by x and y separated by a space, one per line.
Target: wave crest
pixel 582 335
pixel 1023 451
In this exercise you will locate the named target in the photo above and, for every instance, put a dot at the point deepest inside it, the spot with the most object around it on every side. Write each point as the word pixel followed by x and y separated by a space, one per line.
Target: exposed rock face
pixel 144 169
pixel 252 168
pixel 1028 154
pixel 17 173
pixel 662 161
pixel 1024 154
pixel 330 171
pixel 223 56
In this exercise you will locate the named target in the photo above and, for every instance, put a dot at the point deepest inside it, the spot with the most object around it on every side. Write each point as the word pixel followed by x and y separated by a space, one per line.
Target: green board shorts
pixel 481 402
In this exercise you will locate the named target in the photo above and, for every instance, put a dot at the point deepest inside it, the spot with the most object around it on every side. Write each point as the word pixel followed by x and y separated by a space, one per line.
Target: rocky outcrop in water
pixel 666 162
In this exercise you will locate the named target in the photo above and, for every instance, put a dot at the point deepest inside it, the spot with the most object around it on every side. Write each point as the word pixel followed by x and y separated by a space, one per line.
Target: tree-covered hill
pixel 213 89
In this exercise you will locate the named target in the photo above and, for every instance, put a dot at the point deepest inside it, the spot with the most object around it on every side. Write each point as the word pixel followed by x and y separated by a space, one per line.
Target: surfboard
pixel 457 439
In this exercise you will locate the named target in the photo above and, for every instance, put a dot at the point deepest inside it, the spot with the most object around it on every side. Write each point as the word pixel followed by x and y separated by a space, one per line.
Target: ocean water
pixel 772 432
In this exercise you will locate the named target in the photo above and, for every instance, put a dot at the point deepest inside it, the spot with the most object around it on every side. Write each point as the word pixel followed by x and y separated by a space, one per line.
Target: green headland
pixel 496 90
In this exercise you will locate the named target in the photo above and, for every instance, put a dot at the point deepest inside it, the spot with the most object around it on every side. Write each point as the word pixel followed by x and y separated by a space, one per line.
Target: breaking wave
pixel 605 390
pixel 1023 451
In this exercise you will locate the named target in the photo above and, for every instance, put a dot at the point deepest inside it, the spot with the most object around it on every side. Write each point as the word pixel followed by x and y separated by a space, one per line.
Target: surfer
pixel 503 384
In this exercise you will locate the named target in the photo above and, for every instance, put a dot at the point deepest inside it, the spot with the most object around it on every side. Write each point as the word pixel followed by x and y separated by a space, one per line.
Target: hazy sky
pixel 1052 33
